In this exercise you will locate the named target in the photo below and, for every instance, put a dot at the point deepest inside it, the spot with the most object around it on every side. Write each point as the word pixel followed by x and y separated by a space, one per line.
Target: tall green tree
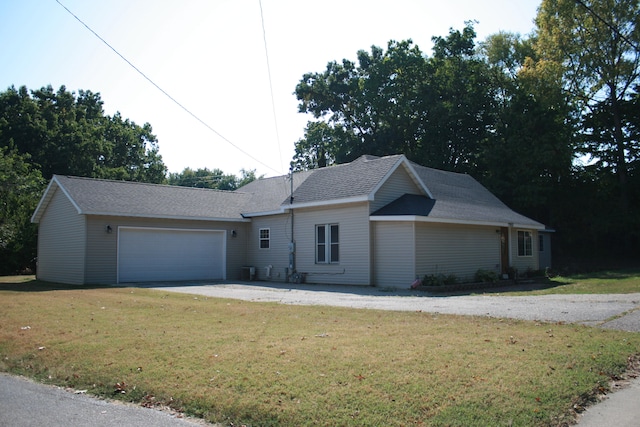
pixel 598 44
pixel 68 134
pixel 529 155
pixel 20 187
pixel 436 111
pixel 211 178
pixel 371 105
pixel 45 132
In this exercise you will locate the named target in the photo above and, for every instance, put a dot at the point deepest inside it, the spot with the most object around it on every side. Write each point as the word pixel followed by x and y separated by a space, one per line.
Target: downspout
pixel 509 248
pixel 292 244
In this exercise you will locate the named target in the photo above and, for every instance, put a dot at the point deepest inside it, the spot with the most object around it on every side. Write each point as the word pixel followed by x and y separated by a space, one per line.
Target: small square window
pixel 264 238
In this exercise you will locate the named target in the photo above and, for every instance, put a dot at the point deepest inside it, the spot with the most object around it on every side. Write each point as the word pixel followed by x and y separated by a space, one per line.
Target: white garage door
pixel 158 254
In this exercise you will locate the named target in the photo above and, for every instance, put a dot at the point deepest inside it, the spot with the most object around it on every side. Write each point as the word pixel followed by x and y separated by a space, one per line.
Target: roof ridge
pixel 140 183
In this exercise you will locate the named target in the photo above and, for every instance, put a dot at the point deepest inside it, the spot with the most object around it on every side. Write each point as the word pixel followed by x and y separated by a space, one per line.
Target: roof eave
pixel 418 218
pixel 173 217
pixel 316 204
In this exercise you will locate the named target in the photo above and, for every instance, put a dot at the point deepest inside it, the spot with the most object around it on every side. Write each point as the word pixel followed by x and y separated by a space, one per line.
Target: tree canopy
pixel 65 133
pixel 213 179
pixel 518 113
pixel 45 132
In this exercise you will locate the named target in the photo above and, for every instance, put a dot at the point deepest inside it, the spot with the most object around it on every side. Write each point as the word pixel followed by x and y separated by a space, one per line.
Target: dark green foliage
pixel 486 276
pixel 67 134
pixel 213 179
pixel 519 114
pixel 20 188
pixel 439 279
pixel 44 132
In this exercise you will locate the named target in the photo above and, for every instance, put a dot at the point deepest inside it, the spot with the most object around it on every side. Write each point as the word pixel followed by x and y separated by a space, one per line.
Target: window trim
pixel 527 235
pixel 328 245
pixel 262 239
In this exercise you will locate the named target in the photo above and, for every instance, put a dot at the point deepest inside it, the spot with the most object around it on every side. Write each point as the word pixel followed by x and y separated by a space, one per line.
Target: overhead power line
pixel 611 27
pixel 165 93
pixel 273 102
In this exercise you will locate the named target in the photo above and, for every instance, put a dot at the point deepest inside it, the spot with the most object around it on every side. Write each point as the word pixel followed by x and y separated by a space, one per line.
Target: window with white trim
pixel 525 243
pixel 265 237
pixel 327 244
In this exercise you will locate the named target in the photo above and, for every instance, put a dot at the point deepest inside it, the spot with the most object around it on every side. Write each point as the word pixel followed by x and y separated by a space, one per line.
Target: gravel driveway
pixel 615 311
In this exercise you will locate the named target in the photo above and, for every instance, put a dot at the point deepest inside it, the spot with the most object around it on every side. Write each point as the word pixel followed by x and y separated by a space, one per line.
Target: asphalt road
pixel 24 403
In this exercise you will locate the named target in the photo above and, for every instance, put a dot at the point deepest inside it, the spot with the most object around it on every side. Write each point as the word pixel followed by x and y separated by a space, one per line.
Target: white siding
pixel 398 184
pixel 524 263
pixel 277 256
pixel 61 242
pixel 456 249
pixel 394 263
pixel 354 267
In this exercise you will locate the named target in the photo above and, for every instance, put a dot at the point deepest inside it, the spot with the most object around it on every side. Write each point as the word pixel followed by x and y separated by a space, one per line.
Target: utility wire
pixel 611 27
pixel 165 93
pixel 273 102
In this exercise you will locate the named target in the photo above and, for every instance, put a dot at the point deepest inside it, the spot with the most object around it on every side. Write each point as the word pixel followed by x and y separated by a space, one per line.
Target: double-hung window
pixel 264 238
pixel 327 244
pixel 525 243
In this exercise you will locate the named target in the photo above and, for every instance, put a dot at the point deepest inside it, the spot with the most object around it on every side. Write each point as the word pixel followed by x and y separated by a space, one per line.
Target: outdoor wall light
pixel 108 229
pixel 233 233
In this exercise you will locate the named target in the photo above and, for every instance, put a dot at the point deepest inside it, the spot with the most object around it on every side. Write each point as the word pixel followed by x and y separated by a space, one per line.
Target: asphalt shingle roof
pixel 269 194
pixel 456 197
pixel 358 178
pixel 123 198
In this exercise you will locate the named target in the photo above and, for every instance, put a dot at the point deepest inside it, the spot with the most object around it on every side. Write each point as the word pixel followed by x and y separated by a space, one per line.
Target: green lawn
pixel 262 364
pixel 605 282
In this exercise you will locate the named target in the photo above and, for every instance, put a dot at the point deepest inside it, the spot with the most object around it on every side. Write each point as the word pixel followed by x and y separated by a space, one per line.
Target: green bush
pixel 439 279
pixel 486 276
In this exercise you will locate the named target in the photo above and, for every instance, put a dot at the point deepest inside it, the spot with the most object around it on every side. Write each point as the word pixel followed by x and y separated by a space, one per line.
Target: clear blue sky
pixel 210 56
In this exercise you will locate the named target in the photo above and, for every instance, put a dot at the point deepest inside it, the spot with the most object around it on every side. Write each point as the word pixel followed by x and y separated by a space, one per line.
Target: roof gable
pixel 351 182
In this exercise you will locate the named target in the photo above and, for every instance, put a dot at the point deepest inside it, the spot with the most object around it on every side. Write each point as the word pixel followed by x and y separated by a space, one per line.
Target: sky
pixel 232 65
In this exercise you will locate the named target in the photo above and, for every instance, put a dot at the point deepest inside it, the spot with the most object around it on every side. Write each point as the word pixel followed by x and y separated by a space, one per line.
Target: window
pixel 327 244
pixel 540 242
pixel 524 243
pixel 264 238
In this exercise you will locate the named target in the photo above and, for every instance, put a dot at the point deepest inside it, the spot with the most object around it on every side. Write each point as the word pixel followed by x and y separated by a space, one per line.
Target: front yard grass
pixel 604 282
pixel 263 364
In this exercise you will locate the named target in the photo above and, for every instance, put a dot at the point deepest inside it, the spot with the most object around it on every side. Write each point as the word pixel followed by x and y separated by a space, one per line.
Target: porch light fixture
pixel 108 229
pixel 233 233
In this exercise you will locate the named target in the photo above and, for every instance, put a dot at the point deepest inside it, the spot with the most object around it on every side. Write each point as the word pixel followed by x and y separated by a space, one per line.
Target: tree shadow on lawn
pixel 31 284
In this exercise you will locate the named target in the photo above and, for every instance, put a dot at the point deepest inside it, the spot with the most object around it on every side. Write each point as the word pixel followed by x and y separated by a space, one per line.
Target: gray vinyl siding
pixel 61 242
pixel 394 261
pixel 544 255
pixel 102 252
pixel 456 249
pixel 354 267
pixel 398 184
pixel 524 263
pixel 277 255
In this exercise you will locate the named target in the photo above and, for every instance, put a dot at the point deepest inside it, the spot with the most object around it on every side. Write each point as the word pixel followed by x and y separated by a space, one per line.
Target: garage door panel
pixel 170 255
